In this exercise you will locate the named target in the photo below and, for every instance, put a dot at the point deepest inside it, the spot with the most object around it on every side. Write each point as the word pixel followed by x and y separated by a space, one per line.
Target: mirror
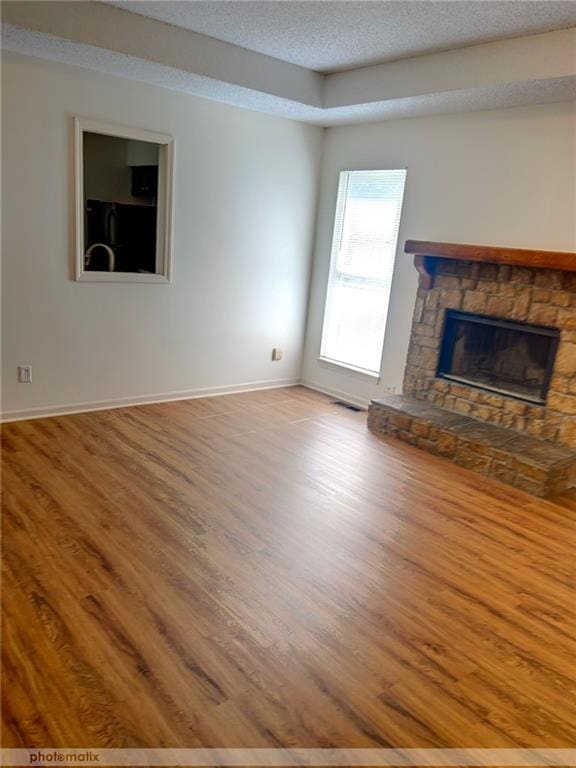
pixel 123 203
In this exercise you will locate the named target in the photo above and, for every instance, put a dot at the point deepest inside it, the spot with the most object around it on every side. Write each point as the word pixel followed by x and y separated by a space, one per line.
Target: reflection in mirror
pixel 124 196
pixel 120 203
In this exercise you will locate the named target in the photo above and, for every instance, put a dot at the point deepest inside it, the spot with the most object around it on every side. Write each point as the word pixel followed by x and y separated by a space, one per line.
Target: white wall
pixel 244 205
pixel 244 209
pixel 505 177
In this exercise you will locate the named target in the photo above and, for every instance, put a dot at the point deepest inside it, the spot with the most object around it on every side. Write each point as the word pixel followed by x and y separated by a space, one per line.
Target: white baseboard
pixel 340 394
pixel 127 402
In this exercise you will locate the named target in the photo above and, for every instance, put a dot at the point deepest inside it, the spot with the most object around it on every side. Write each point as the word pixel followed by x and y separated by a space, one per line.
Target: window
pixel 361 265
pixel 123 202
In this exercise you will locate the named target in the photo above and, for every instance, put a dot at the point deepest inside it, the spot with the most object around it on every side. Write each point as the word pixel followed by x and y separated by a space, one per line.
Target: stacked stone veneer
pixel 540 296
pixel 525 462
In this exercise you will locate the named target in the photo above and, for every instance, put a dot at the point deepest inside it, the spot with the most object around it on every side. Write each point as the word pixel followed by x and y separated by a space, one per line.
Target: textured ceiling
pixel 328 35
pixel 69 52
pixel 525 70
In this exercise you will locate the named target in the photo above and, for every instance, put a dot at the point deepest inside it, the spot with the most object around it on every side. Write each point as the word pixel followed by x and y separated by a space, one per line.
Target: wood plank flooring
pixel 259 570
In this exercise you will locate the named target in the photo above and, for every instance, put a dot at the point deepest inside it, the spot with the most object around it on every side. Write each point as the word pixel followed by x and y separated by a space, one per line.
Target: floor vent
pixel 350 406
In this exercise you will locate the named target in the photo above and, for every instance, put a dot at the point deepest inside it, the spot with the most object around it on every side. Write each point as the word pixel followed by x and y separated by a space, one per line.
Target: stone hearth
pixel 495 430
pixel 533 465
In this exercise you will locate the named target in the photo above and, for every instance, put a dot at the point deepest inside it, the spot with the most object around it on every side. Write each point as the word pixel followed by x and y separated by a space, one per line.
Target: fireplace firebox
pixel 502 356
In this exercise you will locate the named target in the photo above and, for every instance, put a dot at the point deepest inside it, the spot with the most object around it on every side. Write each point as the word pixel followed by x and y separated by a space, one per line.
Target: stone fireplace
pixel 492 354
pixel 497 355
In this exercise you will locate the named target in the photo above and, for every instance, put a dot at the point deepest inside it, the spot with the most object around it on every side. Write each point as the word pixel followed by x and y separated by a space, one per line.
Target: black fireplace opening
pixel 502 356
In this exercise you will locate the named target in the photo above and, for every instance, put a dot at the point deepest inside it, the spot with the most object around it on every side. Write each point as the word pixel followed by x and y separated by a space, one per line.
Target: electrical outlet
pixel 276 353
pixel 24 374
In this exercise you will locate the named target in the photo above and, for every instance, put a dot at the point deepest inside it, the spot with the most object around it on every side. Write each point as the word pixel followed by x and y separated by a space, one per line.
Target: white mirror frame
pixel 164 205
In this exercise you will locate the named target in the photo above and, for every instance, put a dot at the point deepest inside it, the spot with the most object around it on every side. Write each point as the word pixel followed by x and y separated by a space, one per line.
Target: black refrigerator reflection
pixel 120 237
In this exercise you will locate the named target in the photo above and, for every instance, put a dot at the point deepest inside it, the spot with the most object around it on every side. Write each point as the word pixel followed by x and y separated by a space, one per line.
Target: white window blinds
pixel 361 266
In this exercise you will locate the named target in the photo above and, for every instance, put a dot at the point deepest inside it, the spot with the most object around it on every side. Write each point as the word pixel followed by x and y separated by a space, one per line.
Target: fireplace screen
pixel 501 356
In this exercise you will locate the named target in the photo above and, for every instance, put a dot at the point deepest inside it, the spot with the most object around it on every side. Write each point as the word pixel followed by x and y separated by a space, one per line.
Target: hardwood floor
pixel 259 570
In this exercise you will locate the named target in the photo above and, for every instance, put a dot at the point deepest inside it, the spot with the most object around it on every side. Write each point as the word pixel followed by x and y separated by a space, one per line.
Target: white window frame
pixel 163 272
pixel 328 361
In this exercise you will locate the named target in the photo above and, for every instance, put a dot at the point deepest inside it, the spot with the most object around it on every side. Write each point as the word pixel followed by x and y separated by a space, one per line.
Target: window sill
pixel 349 369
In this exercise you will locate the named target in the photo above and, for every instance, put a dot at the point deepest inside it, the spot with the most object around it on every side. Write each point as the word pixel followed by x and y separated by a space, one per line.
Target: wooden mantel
pixel 425 255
